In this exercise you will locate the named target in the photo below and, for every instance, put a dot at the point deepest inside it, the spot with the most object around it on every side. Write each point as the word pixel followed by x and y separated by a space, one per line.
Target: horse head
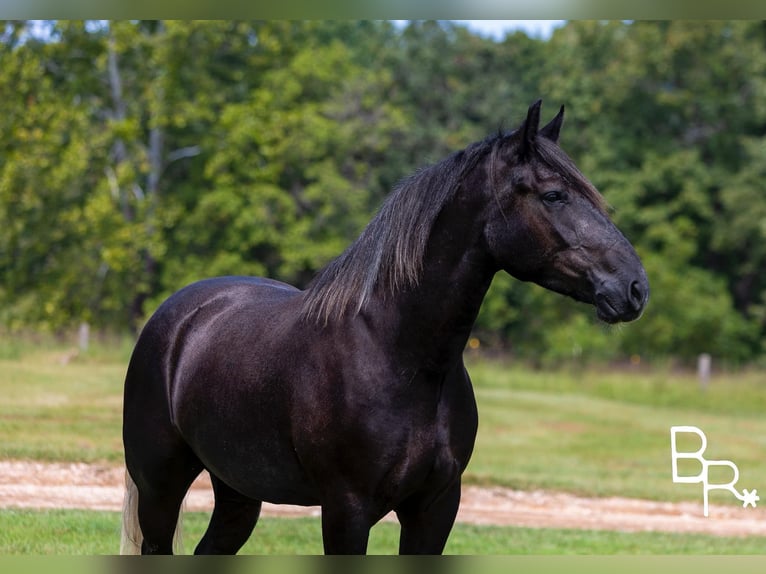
pixel 548 224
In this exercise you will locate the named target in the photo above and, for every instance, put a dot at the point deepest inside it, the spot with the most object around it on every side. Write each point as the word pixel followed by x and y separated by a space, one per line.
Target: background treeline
pixel 136 157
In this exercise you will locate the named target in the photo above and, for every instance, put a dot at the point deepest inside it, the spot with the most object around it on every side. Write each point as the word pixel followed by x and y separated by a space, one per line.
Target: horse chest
pixel 392 440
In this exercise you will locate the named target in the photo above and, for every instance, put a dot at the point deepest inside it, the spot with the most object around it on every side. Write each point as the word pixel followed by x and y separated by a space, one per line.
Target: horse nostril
pixel 636 295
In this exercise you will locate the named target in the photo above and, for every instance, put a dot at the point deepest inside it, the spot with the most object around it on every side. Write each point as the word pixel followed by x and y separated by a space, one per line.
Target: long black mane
pixel 389 252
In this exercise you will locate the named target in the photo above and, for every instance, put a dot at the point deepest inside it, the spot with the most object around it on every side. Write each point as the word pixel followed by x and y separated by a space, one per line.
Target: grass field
pixel 608 433
pixel 588 432
pixel 92 533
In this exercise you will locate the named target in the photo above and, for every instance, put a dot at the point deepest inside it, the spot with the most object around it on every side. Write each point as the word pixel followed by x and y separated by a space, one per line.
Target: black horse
pixel 352 394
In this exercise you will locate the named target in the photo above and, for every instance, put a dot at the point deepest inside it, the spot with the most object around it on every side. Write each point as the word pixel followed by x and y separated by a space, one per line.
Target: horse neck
pixel 431 321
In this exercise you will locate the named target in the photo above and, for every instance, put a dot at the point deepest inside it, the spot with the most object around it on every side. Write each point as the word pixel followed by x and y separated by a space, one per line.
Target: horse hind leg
pixel 155 492
pixel 233 520
pixel 132 538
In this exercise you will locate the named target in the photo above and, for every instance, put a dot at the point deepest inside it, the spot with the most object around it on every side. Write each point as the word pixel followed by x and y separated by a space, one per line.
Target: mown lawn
pixel 93 533
pixel 608 433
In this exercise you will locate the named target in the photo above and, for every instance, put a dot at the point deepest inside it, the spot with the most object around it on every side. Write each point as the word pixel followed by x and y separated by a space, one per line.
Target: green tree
pixel 45 166
pixel 663 116
pixel 740 243
pixel 292 179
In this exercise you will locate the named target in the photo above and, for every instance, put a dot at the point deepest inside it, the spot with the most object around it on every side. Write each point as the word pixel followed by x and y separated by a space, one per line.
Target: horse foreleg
pixel 233 520
pixel 345 528
pixel 427 522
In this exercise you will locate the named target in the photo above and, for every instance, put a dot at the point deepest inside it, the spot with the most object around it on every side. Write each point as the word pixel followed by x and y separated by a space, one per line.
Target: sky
pixel 497 29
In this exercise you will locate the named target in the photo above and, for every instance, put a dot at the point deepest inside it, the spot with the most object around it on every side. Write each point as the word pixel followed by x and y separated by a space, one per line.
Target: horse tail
pixel 131 538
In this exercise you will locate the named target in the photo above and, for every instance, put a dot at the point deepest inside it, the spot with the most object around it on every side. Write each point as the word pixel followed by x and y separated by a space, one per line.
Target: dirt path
pixel 95 487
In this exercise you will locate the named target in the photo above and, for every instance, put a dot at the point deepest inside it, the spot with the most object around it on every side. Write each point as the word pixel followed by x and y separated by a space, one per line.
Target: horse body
pixel 352 394
pixel 291 387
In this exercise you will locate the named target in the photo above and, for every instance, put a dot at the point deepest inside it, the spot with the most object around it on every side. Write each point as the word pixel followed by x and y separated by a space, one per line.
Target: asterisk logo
pixel 749 497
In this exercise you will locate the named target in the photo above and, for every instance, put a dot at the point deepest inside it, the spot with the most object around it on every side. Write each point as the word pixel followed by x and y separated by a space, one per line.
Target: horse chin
pixel 605 312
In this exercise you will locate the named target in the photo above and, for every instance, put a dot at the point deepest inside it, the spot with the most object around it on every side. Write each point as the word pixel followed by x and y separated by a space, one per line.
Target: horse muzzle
pixel 621 300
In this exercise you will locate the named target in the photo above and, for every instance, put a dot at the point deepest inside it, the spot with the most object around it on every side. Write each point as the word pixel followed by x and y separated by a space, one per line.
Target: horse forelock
pixel 555 159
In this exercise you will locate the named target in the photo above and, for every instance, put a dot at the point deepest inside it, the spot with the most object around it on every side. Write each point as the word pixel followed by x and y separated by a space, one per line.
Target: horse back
pixel 212 319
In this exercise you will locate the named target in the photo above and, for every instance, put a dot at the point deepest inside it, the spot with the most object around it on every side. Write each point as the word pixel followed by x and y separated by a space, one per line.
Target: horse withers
pixel 352 393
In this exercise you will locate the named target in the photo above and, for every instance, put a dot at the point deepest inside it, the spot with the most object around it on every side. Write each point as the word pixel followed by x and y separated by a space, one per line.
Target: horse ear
pixel 530 128
pixel 552 129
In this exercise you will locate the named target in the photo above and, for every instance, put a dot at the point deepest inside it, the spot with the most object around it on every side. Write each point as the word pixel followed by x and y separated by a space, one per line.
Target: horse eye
pixel 554 197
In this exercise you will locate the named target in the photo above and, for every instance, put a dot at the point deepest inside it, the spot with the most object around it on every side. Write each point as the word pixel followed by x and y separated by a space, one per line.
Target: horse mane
pixel 388 254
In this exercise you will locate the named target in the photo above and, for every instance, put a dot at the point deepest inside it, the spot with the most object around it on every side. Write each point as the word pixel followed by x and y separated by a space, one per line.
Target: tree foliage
pixel 139 156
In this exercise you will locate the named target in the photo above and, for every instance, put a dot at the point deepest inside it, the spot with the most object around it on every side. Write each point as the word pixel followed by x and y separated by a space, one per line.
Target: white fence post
pixel 704 363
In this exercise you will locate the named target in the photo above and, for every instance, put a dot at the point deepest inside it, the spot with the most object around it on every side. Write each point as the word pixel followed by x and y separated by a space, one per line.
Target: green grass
pixel 601 447
pixel 67 532
pixel 735 393
pixel 56 412
pixel 608 434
